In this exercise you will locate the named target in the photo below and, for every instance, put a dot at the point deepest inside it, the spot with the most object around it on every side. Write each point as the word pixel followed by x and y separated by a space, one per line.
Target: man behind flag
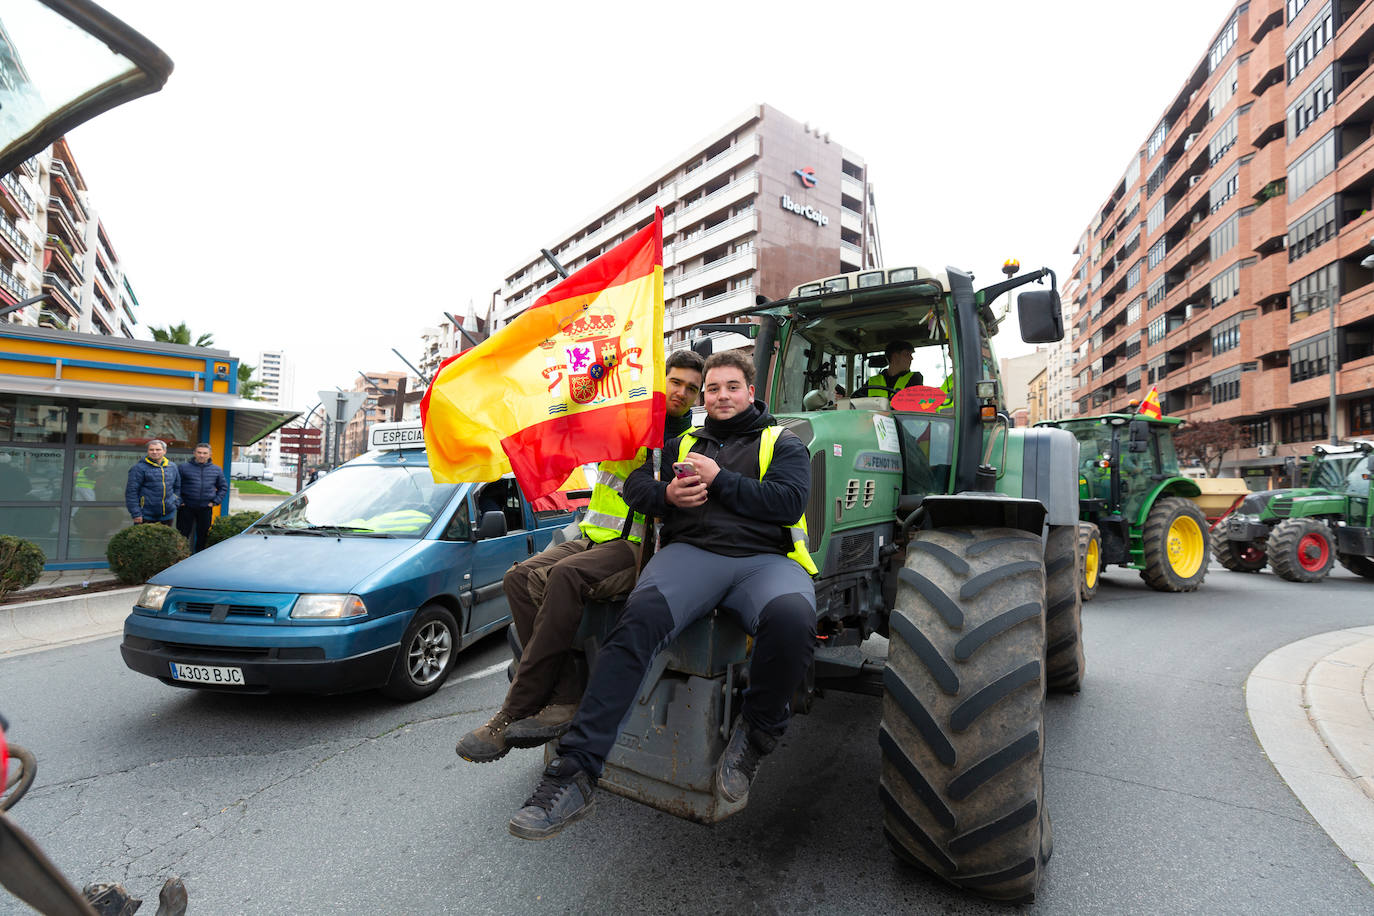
pixel 575 378
pixel 1150 406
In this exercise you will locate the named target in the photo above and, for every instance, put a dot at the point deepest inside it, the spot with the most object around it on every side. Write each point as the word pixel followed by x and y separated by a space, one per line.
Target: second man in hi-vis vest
pixel 733 504
pixel 546 593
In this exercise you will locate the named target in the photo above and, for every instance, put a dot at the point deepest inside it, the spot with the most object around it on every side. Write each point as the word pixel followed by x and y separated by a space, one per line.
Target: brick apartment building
pixel 1217 264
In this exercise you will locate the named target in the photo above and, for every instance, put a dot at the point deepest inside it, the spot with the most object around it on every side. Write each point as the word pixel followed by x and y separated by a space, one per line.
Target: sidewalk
pixel 1311 704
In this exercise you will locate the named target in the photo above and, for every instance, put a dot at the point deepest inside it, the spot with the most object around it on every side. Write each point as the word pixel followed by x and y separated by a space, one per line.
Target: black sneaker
pixel 741 759
pixel 564 795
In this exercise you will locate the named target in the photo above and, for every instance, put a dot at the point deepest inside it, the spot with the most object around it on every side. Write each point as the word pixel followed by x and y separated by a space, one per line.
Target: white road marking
pixel 476 675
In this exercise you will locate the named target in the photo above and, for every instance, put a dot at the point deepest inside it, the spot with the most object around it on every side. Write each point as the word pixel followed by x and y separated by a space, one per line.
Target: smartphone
pixel 683 469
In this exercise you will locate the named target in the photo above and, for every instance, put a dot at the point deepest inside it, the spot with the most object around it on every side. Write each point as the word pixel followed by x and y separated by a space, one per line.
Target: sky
pixel 328 179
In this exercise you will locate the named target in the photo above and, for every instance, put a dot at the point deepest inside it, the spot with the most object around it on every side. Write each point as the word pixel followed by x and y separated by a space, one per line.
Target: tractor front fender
pixel 984 510
pixel 1173 486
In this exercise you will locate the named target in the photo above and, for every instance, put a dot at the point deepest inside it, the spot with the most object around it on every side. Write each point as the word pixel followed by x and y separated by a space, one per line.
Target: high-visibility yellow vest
pixel 947 386
pixel 606 513
pixel 400 521
pixel 796 532
pixel 881 381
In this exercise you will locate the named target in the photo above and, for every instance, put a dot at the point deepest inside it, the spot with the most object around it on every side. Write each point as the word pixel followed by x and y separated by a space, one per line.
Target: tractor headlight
pixel 328 607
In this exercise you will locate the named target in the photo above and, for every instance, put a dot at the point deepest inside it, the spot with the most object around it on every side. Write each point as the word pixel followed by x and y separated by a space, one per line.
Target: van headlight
pixel 153 596
pixel 328 607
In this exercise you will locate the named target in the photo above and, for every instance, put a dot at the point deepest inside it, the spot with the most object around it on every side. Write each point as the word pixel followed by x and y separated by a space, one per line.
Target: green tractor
pixel 1301 532
pixel 933 523
pixel 1136 509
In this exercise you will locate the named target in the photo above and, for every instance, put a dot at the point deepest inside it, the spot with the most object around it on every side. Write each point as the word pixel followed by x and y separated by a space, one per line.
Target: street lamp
pixel 1333 361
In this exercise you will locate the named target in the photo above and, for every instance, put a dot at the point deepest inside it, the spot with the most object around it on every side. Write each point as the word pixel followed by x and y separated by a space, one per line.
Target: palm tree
pixel 248 386
pixel 181 334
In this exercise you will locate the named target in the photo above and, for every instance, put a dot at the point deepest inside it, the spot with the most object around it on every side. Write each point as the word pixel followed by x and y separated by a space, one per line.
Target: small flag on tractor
pixel 1150 406
pixel 576 378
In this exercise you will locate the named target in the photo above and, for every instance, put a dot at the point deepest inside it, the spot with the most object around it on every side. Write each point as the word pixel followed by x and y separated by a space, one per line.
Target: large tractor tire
pixel 1360 566
pixel 1064 662
pixel 962 731
pixel 1237 556
pixel 1301 550
pixel 1176 545
pixel 1090 552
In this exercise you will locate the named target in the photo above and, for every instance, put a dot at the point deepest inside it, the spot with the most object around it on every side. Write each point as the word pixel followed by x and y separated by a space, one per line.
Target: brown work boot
pixel 486 743
pixel 542 727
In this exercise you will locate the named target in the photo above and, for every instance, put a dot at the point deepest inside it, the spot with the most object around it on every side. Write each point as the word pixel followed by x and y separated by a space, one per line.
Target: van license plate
pixel 208 674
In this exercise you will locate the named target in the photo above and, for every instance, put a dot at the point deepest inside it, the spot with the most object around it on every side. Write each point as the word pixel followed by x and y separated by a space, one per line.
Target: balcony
pixel 851 185
pixel 1267 115
pixel 715 308
pixel 703 240
pixel 721 269
pixel 15 240
pixel 61 256
pixel 1353 168
pixel 1266 57
pixel 1353 30
pixel 16 197
pixel 60 214
pixel 13 285
pixel 61 179
pixel 53 284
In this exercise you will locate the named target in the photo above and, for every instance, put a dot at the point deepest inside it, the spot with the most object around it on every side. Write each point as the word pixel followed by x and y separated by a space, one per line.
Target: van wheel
pixel 426 656
pixel 961 737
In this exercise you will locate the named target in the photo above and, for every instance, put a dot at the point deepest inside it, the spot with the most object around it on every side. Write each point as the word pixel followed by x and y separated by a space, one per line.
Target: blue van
pixel 373 577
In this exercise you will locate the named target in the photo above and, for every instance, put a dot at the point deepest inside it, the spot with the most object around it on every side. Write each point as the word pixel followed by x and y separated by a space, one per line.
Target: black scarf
pixel 741 422
pixel 675 426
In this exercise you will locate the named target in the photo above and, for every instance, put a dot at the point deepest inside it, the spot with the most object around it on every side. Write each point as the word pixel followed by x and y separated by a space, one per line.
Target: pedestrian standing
pixel 154 488
pixel 202 488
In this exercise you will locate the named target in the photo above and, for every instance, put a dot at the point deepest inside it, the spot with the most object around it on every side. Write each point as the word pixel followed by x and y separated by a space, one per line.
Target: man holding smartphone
pixel 546 593
pixel 732 497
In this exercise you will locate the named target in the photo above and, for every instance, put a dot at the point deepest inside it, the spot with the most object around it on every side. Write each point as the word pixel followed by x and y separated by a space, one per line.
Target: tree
pixel 248 386
pixel 1208 441
pixel 181 334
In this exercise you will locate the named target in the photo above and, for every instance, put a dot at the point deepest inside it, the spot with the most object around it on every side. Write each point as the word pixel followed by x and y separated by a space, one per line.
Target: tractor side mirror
pixel 1139 436
pixel 1040 317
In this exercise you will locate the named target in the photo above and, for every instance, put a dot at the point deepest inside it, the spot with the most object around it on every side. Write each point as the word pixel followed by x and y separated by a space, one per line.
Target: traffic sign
pixel 301 449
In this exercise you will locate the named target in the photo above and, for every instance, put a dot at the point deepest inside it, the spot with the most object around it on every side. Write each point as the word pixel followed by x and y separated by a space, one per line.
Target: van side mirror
pixel 1140 436
pixel 493 525
pixel 1040 316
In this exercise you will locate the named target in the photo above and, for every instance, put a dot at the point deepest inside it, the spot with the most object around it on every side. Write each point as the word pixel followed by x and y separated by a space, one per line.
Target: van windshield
pixel 362 501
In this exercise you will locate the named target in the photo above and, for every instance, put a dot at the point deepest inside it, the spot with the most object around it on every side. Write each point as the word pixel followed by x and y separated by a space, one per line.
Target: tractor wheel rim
pixel 1090 564
pixel 1251 554
pixel 1183 543
pixel 1313 552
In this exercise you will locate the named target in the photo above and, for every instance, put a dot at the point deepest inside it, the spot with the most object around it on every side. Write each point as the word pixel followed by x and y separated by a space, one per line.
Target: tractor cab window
pixel 1357 481
pixel 1168 456
pixel 1138 470
pixel 927 452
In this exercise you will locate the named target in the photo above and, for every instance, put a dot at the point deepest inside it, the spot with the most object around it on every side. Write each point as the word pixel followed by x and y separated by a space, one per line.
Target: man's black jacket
pixel 743 515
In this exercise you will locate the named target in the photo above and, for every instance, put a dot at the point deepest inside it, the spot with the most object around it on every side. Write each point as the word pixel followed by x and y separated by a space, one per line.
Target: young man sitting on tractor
pixel 733 537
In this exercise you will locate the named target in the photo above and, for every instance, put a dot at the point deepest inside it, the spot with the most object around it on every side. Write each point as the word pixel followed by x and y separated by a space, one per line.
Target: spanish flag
pixel 575 378
pixel 1150 406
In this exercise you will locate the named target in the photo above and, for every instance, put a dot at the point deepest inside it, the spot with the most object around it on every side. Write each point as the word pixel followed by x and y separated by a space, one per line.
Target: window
pixel 1225 41
pixel 1224 91
pixel 1133 310
pixel 1154 217
pixel 32 419
pixel 1223 239
pixel 1133 275
pixel 1156 139
pixel 1226 335
pixel 1157 252
pixel 1256 432
pixel 1226 385
pixel 1152 184
pixel 1224 188
pixel 1314 100
pixel 1225 285
pixel 1308 359
pixel 1132 379
pixel 1314 229
pixel 1155 332
pixel 1132 347
pixel 1312 166
pixel 1157 369
pixel 1310 43
pixel 1314 292
pixel 1362 417
pixel 1305 425
pixel 1295 7
pixel 1130 245
pixel 1222 140
pixel 1157 291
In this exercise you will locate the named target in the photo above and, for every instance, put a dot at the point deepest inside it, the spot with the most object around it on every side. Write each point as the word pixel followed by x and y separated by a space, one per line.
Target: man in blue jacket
pixel 154 488
pixel 202 488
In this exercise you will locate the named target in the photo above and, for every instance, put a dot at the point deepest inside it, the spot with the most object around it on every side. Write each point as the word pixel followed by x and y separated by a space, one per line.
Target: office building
pixel 757 207
pixel 1226 266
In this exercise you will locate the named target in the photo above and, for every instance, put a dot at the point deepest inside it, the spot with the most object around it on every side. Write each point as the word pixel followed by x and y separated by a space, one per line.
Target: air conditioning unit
pixel 1189 141
pixel 1194 179
pixel 1266 450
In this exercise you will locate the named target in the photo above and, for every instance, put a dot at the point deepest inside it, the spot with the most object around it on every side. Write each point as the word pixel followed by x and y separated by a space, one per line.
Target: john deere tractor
pixel 1136 509
pixel 1301 532
pixel 934 524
